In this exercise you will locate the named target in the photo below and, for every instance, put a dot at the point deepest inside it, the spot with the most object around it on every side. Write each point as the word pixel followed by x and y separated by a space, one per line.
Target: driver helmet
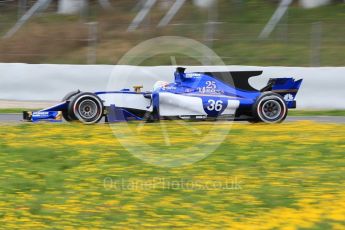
pixel 159 85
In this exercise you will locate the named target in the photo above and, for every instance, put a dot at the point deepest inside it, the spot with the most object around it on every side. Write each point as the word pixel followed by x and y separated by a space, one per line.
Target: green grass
pixel 288 175
pixel 316 112
pixel 15 110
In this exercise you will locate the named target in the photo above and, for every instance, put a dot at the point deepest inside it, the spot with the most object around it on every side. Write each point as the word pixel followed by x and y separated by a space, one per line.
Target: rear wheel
pixel 270 108
pixel 86 107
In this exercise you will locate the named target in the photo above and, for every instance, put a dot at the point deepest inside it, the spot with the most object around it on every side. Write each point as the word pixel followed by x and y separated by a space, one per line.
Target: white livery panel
pixel 176 105
pixel 127 100
pixel 231 108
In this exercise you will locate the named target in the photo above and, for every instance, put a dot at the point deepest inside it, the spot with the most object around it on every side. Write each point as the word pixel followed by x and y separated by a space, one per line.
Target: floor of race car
pixel 17 118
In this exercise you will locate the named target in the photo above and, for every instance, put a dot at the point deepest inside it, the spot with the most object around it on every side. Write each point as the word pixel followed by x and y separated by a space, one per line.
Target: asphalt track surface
pixel 17 118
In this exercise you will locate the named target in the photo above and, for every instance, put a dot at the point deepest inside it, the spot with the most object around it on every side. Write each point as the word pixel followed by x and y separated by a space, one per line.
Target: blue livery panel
pixel 51 116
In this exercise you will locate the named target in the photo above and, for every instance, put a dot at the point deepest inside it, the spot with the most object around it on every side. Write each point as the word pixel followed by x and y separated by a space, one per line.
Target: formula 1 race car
pixel 194 96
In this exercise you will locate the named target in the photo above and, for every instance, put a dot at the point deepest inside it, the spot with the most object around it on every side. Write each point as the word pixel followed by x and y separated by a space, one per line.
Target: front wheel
pixel 87 108
pixel 67 115
pixel 270 108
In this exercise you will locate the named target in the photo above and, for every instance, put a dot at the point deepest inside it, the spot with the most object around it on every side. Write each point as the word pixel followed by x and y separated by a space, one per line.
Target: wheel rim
pixel 87 109
pixel 271 109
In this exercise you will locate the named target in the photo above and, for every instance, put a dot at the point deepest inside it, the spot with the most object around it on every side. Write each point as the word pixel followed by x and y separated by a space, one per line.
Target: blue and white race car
pixel 194 96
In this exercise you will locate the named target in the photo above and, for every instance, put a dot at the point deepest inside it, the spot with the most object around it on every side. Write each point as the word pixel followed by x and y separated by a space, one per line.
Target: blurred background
pixel 241 32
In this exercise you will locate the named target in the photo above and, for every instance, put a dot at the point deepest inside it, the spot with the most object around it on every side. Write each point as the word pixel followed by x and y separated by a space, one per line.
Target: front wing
pixel 50 116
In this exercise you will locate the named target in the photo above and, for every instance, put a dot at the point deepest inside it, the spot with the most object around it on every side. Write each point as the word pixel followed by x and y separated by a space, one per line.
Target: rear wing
pixel 286 87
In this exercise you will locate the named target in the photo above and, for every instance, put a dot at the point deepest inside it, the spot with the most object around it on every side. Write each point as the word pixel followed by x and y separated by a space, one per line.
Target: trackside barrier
pixel 322 88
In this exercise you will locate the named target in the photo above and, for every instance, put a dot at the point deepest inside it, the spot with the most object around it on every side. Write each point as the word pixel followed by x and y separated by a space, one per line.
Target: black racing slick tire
pixel 65 116
pixel 65 113
pixel 270 108
pixel 86 107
